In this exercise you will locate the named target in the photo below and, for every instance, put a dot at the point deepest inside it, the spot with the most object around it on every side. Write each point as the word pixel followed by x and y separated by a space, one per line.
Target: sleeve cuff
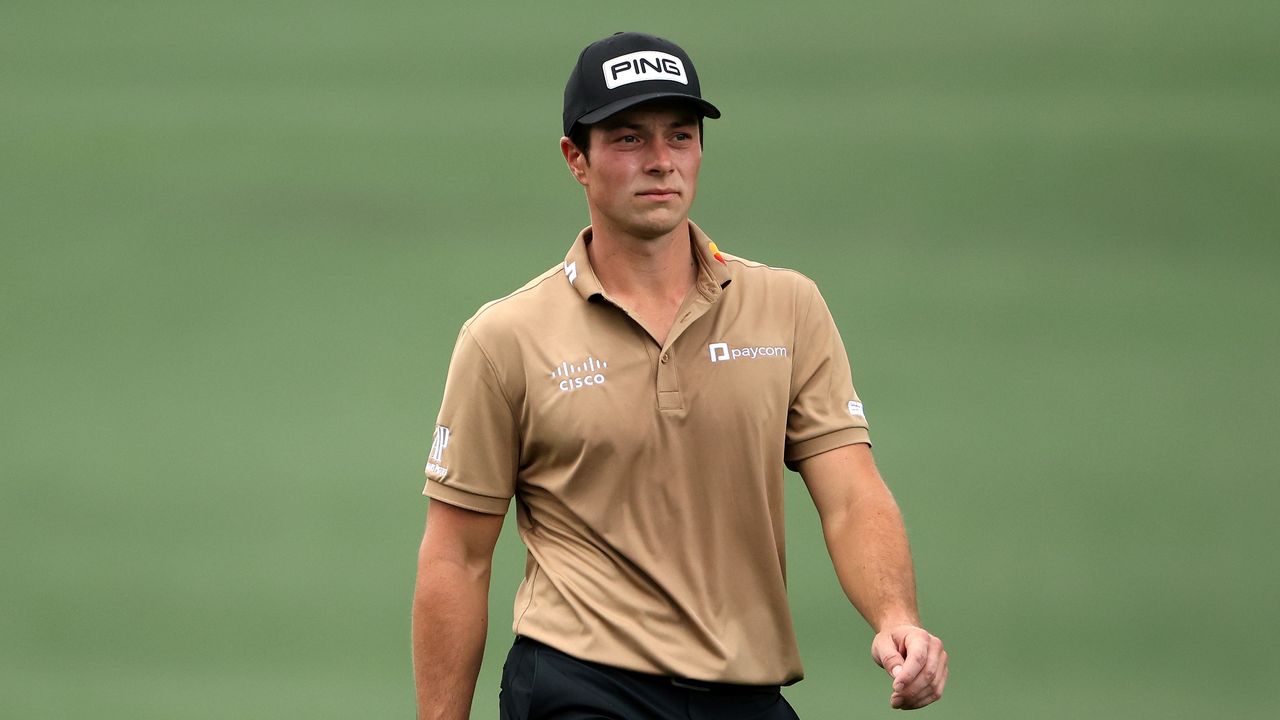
pixel 464 499
pixel 832 440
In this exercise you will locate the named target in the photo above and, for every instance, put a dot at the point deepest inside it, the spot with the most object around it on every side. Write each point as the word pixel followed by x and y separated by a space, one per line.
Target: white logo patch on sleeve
pixel 855 409
pixel 439 441
pixel 641 66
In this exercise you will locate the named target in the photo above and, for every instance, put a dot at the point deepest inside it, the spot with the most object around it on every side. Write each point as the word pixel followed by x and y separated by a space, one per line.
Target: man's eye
pixel 629 139
pixel 683 136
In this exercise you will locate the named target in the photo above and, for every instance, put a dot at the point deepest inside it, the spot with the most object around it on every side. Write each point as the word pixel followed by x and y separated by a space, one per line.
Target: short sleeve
pixel 474 450
pixel 825 411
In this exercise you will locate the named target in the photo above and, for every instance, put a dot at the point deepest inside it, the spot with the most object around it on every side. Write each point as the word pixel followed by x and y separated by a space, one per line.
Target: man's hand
pixel 916 662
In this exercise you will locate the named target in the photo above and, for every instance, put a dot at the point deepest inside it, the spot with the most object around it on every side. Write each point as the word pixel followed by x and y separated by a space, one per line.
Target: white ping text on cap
pixel 643 65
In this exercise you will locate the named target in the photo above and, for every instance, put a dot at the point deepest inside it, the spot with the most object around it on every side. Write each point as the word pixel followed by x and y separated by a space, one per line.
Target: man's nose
pixel 659 158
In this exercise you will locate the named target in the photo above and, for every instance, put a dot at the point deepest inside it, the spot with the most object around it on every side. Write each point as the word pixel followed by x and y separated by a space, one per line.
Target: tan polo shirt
pixel 648 476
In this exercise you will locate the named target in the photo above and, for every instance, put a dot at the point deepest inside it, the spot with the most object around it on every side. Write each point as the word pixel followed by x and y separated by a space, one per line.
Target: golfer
pixel 639 402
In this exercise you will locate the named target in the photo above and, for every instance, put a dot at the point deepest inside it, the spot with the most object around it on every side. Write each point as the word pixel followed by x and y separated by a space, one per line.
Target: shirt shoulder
pixel 751 276
pixel 516 311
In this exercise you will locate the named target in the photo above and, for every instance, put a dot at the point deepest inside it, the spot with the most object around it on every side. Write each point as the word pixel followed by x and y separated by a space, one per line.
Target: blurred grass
pixel 239 239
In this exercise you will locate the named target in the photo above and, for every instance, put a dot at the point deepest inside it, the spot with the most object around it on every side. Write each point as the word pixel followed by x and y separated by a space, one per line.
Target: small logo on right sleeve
pixel 439 441
pixel 855 409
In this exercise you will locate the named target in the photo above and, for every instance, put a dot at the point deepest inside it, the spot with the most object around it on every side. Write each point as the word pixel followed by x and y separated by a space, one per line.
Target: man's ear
pixel 575 159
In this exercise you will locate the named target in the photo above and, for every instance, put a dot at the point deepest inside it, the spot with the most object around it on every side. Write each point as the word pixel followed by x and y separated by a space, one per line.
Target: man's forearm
pixel 868 546
pixel 450 621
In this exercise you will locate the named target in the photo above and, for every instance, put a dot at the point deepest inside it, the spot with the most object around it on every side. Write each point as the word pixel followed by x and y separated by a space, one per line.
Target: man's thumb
pixel 885 652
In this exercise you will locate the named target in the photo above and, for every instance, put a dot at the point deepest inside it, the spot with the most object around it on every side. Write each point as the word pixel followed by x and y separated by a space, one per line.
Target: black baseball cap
pixel 625 69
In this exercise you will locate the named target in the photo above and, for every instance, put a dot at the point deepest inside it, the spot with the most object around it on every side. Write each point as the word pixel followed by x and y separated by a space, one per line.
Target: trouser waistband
pixel 680 682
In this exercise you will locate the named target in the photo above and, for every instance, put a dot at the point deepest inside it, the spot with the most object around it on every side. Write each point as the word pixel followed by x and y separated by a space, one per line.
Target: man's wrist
pixel 897 620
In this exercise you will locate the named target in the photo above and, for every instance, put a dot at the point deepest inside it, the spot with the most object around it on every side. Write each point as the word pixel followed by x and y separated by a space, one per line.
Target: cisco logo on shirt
pixel 576 376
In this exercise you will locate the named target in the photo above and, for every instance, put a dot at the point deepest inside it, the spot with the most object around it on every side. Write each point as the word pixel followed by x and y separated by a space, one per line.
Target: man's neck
pixel 662 268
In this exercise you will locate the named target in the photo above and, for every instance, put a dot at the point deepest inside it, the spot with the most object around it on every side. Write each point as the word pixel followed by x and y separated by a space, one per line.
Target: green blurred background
pixel 239 238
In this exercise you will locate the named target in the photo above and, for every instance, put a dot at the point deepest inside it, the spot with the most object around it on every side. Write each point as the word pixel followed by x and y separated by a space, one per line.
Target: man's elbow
pixel 873 508
pixel 449 562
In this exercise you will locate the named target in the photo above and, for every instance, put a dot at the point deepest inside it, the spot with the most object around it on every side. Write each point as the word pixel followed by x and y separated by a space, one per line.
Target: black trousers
pixel 542 683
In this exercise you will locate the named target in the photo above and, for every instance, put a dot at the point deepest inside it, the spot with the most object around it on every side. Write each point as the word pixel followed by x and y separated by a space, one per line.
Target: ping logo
pixel 588 373
pixel 855 409
pixel 722 352
pixel 571 271
pixel 643 65
pixel 439 441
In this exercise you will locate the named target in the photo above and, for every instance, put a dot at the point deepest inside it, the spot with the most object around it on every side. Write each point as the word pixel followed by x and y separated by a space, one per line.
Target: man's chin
pixel 657 226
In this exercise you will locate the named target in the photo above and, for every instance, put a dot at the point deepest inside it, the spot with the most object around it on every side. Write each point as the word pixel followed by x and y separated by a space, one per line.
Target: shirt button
pixel 666 358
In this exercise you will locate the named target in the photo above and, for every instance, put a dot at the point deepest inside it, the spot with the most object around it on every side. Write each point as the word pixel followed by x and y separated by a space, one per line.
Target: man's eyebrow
pixel 620 124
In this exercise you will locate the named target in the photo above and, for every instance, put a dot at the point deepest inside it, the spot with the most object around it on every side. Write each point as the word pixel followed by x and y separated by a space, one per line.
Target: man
pixel 639 402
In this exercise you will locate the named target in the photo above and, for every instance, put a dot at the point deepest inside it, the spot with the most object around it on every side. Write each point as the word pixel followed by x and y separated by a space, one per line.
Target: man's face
pixel 643 169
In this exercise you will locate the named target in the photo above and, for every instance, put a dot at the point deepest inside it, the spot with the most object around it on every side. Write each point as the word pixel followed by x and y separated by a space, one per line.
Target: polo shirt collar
pixel 712 272
pixel 709 264
pixel 577 268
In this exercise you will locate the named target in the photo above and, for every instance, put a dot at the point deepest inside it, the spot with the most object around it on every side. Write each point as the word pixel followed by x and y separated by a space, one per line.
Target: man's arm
pixel 868 545
pixel 451 608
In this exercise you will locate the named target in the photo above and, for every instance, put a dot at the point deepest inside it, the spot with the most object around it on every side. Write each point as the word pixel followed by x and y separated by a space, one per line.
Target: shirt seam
pixel 857 429
pixel 465 491
pixel 756 264
pixel 792 390
pixel 502 389
pixel 533 582
pixel 548 275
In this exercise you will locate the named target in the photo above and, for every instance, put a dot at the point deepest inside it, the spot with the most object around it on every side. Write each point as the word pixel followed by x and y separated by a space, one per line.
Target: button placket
pixel 700 301
pixel 669 397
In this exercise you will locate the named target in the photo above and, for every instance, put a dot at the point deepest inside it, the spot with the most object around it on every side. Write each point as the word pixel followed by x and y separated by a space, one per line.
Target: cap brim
pixel 595 116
